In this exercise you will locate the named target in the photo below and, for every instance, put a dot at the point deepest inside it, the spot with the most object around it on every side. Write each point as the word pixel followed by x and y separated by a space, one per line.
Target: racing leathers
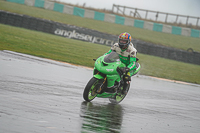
pixel 128 56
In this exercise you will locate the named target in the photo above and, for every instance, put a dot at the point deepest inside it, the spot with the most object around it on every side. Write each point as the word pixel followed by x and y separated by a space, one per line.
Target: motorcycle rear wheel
pixel 119 96
pixel 91 88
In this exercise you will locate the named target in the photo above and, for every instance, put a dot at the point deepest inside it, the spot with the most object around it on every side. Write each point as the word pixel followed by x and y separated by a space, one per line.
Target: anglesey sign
pixel 84 37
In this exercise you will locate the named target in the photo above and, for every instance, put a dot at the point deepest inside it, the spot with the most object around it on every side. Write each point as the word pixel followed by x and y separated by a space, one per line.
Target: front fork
pixel 101 87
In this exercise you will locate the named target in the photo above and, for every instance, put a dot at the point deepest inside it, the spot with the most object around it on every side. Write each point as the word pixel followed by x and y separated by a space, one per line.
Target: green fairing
pixel 109 70
pixel 111 79
pixel 105 95
pixel 128 61
pixel 98 76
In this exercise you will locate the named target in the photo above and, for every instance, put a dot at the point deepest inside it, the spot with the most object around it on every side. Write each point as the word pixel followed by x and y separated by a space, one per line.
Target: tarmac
pixel 39 95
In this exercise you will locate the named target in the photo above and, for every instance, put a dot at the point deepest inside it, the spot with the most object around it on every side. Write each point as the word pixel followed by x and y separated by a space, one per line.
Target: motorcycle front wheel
pixel 118 97
pixel 91 88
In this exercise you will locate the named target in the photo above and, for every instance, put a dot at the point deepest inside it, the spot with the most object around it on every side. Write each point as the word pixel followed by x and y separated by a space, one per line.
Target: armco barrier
pixel 93 36
pixel 109 17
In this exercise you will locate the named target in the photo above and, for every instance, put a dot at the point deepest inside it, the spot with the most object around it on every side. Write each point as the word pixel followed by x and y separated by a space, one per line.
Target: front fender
pixel 98 76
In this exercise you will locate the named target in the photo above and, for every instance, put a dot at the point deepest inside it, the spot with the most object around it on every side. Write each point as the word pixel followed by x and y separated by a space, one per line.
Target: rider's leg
pixel 127 77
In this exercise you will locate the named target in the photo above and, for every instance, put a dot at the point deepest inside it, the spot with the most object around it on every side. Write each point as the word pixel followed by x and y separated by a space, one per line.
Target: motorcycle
pixel 108 80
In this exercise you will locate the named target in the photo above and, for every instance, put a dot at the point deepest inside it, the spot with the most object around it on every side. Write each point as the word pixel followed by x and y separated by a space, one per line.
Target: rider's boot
pixel 127 80
pixel 125 89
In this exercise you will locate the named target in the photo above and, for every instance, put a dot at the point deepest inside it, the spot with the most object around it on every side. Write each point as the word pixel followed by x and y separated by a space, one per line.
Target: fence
pixel 93 36
pixel 135 12
pixel 111 18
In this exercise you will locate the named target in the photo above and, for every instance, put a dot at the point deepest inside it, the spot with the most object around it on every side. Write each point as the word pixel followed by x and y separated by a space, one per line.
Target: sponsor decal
pixel 110 70
pixel 75 35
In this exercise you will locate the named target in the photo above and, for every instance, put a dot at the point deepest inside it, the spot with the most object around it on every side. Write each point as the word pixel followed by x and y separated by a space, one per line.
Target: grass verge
pixel 170 40
pixel 81 53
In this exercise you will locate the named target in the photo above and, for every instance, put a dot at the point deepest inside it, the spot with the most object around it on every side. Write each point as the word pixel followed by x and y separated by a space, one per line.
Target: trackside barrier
pixel 93 36
pixel 56 28
pixel 78 12
pixel 17 1
pixel 109 17
pixel 39 3
pixel 99 16
pixel 157 27
pixel 58 7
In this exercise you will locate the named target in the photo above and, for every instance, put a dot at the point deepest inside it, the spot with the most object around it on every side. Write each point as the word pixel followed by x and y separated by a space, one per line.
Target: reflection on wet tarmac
pixel 101 118
pixel 41 95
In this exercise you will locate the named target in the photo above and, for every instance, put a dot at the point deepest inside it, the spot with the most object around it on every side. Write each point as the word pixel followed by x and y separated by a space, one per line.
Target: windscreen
pixel 112 57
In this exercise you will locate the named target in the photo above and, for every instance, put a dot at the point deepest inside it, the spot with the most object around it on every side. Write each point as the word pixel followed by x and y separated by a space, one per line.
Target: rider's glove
pixel 127 77
pixel 126 69
pixel 123 70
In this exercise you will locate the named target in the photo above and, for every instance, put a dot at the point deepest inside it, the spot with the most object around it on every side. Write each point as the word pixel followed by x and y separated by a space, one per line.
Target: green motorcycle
pixel 107 80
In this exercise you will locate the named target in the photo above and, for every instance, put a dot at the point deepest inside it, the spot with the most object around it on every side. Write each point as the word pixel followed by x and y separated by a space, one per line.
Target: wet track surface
pixel 39 95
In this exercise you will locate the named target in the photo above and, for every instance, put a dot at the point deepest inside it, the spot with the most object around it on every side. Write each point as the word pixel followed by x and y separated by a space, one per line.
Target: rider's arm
pixel 108 52
pixel 132 63
pixel 112 48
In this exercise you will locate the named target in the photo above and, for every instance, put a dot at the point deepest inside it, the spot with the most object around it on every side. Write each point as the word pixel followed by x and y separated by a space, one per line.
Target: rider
pixel 127 54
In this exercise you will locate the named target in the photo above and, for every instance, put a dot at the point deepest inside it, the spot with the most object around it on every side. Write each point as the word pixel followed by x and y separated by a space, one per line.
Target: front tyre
pixel 91 88
pixel 119 96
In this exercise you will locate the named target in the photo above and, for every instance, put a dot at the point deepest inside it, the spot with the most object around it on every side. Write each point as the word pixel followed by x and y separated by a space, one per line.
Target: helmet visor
pixel 122 41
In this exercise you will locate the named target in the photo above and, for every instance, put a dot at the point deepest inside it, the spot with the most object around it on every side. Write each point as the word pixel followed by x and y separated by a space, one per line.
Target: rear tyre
pixel 91 88
pixel 119 96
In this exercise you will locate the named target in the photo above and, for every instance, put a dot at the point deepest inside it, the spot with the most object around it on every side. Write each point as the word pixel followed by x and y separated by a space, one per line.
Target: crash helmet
pixel 124 40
